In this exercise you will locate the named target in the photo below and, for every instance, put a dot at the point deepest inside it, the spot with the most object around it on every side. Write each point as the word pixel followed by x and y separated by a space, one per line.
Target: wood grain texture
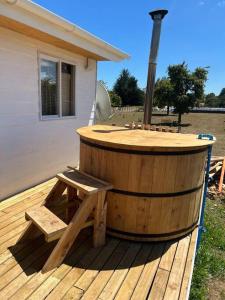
pixel 123 138
pixel 154 197
pixel 119 270
pixel 47 222
pixel 83 182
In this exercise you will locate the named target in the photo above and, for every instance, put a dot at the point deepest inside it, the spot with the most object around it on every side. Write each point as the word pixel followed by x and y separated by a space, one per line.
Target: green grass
pixel 210 260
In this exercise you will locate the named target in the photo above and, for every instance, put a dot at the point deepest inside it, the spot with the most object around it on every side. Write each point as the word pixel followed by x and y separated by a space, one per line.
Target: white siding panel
pixel 32 150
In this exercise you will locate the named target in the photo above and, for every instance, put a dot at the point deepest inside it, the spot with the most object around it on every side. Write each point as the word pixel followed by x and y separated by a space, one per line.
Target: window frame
pixel 58 60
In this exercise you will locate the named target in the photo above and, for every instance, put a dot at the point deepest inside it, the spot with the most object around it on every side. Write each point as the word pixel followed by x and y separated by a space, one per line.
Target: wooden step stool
pixel 89 195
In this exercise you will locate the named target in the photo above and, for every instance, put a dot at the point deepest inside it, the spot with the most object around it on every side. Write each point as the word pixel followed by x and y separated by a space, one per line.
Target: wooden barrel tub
pixel 157 178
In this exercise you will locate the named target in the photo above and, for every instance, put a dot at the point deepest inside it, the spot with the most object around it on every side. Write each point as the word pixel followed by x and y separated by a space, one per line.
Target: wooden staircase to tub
pixel 88 196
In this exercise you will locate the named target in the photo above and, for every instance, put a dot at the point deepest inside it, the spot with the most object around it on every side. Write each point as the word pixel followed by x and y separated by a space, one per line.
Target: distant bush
pixel 115 99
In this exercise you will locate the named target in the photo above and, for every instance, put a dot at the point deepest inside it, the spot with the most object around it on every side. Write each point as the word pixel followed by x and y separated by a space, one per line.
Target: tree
pixel 115 99
pixel 127 88
pixel 199 80
pixel 221 98
pixel 163 94
pixel 211 100
pixel 188 88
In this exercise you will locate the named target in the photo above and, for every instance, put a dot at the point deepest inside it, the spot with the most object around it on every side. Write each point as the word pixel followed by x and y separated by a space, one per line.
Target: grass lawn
pixel 191 123
pixel 209 273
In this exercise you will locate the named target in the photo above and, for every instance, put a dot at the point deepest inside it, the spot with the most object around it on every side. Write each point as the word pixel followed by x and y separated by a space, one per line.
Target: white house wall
pixel 32 150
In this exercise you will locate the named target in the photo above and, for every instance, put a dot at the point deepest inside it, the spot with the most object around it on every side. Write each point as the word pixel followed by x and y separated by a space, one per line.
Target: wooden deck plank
pixel 9 202
pixel 97 280
pixel 134 274
pixel 25 204
pixel 145 281
pixel 19 256
pixel 9 243
pixel 20 280
pixel 120 270
pixel 176 274
pixel 189 266
pixel 113 285
pixel 158 289
pixel 52 281
pixel 28 198
pixel 74 274
pixel 168 256
pixel 39 278
pixel 90 274
pixel 37 199
pixel 7 277
pixel 12 233
pixel 105 273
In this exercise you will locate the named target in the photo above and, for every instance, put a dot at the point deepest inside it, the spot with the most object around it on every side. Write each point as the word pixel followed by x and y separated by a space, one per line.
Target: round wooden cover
pixel 136 139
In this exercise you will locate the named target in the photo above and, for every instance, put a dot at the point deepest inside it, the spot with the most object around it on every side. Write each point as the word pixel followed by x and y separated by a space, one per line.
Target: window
pixel 57 88
pixel 67 89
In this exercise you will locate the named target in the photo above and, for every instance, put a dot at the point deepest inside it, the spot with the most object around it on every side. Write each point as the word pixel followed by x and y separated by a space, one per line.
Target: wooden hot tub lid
pixel 142 140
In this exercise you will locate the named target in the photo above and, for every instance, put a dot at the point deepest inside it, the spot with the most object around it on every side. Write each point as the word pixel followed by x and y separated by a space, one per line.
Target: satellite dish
pixel 103 105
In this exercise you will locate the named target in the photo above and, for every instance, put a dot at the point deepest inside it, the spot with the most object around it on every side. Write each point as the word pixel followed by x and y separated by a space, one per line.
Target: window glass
pixel 49 87
pixel 67 89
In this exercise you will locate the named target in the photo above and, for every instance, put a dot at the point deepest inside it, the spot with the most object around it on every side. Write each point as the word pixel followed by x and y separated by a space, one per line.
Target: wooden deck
pixel 120 270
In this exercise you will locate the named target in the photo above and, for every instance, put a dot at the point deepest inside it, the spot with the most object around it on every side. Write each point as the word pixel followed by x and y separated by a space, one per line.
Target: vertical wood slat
pixel 73 199
pixel 151 174
pixel 100 220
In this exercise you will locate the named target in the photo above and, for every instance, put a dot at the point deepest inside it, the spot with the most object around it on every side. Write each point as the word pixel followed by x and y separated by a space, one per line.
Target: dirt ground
pixel 212 123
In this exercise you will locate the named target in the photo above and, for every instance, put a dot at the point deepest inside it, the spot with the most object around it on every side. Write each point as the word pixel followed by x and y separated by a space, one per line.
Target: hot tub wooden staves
pixel 157 178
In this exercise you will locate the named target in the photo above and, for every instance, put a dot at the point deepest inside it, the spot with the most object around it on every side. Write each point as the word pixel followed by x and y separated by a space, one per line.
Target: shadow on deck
pixel 119 270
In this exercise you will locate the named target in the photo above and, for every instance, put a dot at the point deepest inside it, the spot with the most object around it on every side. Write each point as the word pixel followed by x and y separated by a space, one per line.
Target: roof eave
pixel 71 33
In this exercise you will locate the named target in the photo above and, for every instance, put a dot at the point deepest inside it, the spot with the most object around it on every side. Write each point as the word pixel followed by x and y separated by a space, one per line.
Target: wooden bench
pixel 89 197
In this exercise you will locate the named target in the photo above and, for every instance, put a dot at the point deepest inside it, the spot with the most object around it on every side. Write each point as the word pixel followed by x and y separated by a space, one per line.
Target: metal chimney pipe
pixel 157 16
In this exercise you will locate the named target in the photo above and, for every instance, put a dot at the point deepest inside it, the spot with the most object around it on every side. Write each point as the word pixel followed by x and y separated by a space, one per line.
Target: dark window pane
pixel 67 89
pixel 49 88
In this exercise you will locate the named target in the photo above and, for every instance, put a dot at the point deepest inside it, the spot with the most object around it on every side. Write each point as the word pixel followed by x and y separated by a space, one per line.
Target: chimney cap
pixel 158 12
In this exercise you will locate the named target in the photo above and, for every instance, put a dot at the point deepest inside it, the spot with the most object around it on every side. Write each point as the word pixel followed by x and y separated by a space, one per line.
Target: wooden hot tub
pixel 157 178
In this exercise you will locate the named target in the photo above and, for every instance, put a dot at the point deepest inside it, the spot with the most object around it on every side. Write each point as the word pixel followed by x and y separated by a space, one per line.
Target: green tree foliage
pixel 182 83
pixel 163 94
pixel 211 100
pixel 115 99
pixel 221 98
pixel 182 88
pixel 199 77
pixel 127 88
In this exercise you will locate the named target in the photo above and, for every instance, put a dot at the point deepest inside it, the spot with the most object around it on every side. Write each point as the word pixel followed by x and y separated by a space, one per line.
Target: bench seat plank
pixel 47 222
pixel 83 182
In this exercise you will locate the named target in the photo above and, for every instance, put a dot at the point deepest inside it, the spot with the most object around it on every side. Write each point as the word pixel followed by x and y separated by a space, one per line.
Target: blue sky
pixel 193 31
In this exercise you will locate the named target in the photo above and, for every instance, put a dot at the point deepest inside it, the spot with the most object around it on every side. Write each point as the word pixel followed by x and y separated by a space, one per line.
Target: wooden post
pixel 72 198
pixel 100 220
pixel 55 193
pixel 222 176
